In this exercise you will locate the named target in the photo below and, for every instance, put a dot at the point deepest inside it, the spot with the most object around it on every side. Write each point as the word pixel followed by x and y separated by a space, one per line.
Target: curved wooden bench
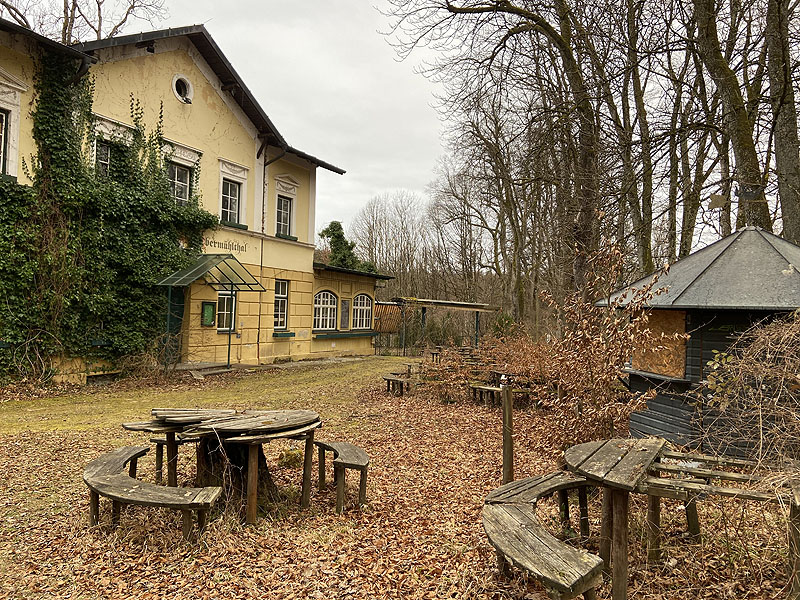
pixel 513 528
pixel 105 477
pixel 345 456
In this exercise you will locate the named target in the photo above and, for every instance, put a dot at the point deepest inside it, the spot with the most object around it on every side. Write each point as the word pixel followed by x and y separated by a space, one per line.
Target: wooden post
pixel 172 460
pixel 94 508
pixel 252 484
pixel 186 523
pixel 116 508
pixel 321 467
pixel 619 547
pixel 339 473
pixel 583 506
pixel 202 519
pixel 654 529
pixel 132 468
pixel 362 487
pixel 606 526
pixel 308 455
pixel 794 551
pixel 692 519
pixel 563 508
pixel 160 463
pixel 508 434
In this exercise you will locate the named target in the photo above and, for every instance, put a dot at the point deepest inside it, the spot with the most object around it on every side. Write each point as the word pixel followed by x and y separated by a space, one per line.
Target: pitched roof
pixel 751 269
pixel 12 27
pixel 231 81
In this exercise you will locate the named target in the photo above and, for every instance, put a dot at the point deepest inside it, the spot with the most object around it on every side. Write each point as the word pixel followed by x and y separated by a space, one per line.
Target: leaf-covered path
pixel 420 536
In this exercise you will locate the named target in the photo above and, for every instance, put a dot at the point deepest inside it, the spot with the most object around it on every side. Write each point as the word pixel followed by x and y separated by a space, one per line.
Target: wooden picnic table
pixel 231 437
pixel 646 466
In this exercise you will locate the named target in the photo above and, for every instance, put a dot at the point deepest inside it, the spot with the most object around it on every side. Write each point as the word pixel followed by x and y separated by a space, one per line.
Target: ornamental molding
pixel 232 169
pixel 286 184
pixel 7 80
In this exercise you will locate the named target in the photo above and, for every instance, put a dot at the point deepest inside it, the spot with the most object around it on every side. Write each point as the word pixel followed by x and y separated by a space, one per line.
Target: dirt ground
pixel 420 536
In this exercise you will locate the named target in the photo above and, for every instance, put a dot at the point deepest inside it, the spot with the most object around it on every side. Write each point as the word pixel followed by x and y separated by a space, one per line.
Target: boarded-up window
pixel 670 360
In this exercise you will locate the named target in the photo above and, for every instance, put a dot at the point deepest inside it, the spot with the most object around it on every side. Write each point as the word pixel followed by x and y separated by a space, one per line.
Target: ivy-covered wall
pixel 80 251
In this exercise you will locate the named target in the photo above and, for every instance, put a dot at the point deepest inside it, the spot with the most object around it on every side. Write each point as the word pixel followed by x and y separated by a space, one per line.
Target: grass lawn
pixel 420 536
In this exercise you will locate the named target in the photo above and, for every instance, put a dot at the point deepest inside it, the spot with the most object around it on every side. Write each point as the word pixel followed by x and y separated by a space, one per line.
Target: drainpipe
pixel 284 149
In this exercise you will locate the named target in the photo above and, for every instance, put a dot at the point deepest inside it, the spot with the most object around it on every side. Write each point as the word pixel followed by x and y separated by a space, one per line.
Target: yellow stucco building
pixel 224 149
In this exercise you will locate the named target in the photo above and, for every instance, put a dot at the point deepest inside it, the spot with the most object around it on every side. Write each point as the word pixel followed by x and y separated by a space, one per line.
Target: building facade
pixel 220 147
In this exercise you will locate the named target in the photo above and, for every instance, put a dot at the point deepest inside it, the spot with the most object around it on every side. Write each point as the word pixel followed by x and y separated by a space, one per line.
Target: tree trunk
pixel 225 465
pixel 738 125
pixel 787 159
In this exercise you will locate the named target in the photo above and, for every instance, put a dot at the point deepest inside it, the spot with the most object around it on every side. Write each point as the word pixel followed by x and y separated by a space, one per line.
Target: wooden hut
pixel 713 296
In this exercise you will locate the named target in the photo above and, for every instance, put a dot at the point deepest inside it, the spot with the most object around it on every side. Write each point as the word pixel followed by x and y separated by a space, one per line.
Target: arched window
pixel 362 312
pixel 324 311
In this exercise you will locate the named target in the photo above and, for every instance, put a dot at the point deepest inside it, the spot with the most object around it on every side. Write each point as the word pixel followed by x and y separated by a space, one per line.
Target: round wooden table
pixel 229 430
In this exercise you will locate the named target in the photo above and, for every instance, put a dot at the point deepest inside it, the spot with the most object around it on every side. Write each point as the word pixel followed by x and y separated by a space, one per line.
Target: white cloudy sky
pixel 333 87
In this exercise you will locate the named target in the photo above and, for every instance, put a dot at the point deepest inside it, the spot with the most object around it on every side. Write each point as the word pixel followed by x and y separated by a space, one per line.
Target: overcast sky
pixel 333 87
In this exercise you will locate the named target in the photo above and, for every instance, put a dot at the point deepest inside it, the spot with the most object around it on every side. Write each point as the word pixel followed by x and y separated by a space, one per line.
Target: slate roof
pixel 751 269
pixel 231 81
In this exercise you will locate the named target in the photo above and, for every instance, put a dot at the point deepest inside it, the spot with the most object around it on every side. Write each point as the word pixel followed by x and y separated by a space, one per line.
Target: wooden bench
pixel 345 456
pixel 160 442
pixel 397 385
pixel 513 528
pixel 105 476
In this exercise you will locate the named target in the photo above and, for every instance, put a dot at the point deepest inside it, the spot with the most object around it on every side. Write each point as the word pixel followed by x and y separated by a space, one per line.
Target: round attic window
pixel 182 88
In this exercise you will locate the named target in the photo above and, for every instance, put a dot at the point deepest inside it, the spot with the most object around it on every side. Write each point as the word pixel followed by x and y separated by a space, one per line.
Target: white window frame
pixel 174 183
pixel 4 119
pixel 286 186
pixel 102 167
pixel 221 328
pixel 281 311
pixel 237 174
pixel 362 312
pixel 325 309
pixel 11 90
pixel 223 212
pixel 284 227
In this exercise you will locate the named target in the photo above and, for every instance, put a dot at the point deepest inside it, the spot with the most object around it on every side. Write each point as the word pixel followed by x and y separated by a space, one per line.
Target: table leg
pixel 583 507
pixel 94 508
pixel 692 518
pixel 794 551
pixel 606 525
pixel 654 529
pixel 619 547
pixel 172 460
pixel 252 483
pixel 308 455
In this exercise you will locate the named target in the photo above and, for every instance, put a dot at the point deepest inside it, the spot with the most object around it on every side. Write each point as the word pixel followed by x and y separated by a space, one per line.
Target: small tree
pixel 342 251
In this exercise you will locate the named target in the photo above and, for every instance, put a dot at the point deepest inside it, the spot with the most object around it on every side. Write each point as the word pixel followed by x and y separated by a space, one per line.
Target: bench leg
pixel 202 519
pixel 252 484
pixel 654 529
pixel 159 463
pixel 619 547
pixel 94 508
pixel 321 467
pixel 362 487
pixel 583 506
pixel 172 460
pixel 563 507
pixel 590 594
pixel 340 483
pixel 606 524
pixel 116 508
pixel 186 522
pixel 502 565
pixel 132 468
pixel 692 519
pixel 308 455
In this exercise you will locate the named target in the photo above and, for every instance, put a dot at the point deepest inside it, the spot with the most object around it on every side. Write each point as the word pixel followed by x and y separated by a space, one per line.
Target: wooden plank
pixel 653 529
pixel 632 468
pixel 125 490
pixel 113 462
pixel 308 455
pixel 606 528
pixel 267 437
pixel 151 427
pixel 576 455
pixel 717 460
pixel 703 473
pixel 252 483
pixel 598 465
pixel 653 484
pixel 619 546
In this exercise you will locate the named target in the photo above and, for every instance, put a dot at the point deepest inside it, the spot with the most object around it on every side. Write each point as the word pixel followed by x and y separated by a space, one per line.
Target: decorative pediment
pixel 227 167
pixel 287 184
pixel 7 80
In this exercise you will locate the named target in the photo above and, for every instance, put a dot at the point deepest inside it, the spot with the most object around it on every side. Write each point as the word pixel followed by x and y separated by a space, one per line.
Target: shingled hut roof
pixel 751 269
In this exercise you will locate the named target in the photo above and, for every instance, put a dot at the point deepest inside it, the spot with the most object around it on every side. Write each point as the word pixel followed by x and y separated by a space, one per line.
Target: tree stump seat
pixel 160 442
pixel 105 476
pixel 515 531
pixel 345 456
